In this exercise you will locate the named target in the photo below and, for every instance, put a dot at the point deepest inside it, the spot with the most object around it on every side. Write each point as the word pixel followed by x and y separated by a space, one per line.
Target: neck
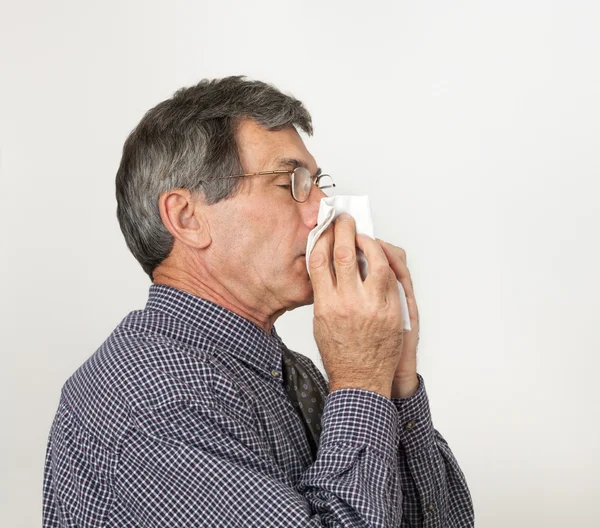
pixel 216 293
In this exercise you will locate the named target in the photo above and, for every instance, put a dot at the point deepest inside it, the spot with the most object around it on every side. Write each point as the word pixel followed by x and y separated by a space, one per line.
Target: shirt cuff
pixel 415 428
pixel 360 416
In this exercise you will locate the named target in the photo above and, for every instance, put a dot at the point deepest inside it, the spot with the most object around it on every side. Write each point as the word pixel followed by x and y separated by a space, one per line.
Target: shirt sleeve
pixel 76 482
pixel 192 462
pixel 434 489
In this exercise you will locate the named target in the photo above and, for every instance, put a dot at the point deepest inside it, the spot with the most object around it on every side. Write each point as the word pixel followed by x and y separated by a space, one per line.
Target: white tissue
pixel 359 208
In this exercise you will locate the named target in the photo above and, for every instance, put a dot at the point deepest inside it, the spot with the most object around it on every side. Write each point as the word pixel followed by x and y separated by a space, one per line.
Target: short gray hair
pixel 188 141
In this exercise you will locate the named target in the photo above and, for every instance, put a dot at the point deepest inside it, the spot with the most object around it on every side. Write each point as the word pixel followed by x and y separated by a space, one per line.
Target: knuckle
pixel 374 310
pixel 381 268
pixel 316 260
pixel 322 310
pixel 344 311
pixel 343 254
pixel 319 314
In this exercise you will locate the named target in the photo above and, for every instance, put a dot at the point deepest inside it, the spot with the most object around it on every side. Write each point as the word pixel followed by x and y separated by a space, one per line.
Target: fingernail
pixel 344 217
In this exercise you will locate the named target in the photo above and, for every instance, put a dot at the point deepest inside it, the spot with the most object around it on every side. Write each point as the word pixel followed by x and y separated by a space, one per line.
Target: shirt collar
pixel 227 330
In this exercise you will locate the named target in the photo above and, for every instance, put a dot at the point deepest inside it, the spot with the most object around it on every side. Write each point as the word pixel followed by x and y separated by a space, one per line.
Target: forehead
pixel 259 147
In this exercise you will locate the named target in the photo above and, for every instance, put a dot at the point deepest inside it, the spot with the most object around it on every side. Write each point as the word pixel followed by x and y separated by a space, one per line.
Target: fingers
pixel 333 265
pixel 396 256
pixel 390 249
pixel 319 263
pixel 344 254
pixel 397 259
pixel 393 293
pixel 378 275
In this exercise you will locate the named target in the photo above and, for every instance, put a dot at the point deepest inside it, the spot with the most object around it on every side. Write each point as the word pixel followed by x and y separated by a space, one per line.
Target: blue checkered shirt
pixel 181 418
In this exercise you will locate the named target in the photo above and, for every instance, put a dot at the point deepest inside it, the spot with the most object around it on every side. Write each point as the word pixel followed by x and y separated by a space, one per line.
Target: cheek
pixel 264 228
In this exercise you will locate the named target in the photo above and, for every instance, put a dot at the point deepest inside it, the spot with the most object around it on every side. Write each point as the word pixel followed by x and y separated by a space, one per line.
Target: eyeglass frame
pixel 315 179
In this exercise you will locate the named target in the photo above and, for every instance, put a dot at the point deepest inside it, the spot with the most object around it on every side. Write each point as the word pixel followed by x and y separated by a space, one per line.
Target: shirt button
pixel 431 507
pixel 409 425
pixel 276 374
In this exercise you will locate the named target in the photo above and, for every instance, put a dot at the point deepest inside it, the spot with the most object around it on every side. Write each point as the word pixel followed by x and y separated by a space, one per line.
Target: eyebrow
pixel 293 162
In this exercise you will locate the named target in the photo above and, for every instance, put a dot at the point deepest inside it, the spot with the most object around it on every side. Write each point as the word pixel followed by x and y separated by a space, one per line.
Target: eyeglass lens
pixel 302 184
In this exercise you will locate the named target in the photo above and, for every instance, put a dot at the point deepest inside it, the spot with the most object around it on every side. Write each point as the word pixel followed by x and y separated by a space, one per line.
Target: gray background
pixel 472 126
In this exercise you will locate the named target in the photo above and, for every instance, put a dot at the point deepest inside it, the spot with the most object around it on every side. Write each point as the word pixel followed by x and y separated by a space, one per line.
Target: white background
pixel 473 127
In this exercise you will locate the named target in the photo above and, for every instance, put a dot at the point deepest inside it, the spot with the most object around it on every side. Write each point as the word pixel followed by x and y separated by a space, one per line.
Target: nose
pixel 313 204
pixel 320 193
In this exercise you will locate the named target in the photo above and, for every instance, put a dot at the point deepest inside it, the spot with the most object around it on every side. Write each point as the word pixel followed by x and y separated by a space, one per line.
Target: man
pixel 194 412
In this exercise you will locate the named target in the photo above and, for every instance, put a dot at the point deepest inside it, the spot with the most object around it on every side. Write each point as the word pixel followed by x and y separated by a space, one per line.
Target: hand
pixel 405 382
pixel 357 324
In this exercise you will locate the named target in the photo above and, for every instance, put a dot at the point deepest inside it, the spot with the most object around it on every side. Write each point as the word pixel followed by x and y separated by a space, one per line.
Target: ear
pixel 184 217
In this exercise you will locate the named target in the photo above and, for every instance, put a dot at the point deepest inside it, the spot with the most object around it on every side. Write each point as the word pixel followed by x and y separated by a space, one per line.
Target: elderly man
pixel 194 412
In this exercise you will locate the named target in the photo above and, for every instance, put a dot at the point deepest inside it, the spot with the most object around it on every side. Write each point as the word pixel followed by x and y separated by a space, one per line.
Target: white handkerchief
pixel 359 208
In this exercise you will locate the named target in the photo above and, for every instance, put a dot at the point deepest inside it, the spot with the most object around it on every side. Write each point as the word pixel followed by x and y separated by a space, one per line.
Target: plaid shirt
pixel 181 418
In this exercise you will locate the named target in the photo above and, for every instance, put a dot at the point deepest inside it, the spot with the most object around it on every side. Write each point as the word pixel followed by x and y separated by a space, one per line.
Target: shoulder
pixel 146 362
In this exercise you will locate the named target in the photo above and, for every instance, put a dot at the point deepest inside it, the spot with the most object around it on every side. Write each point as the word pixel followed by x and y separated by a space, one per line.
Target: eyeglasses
pixel 301 182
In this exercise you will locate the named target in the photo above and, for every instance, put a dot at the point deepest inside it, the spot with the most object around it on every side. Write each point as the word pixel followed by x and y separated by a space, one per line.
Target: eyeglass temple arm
pixel 259 173
pixel 279 172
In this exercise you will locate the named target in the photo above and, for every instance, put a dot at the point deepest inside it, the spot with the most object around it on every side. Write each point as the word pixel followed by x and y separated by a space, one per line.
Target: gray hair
pixel 188 142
